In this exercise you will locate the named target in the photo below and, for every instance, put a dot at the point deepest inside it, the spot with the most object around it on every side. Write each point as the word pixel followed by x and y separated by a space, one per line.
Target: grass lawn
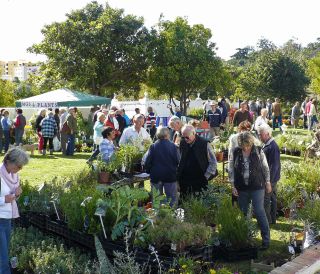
pixel 45 168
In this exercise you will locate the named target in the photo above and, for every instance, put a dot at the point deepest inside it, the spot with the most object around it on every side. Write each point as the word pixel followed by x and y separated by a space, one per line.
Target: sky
pixel 234 23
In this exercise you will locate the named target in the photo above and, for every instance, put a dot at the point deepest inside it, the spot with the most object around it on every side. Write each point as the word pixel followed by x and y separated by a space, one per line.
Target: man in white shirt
pixel 135 134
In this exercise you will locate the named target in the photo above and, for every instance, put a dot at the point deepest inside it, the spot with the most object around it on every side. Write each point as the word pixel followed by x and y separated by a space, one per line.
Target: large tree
pixel 314 73
pixel 184 62
pixel 96 48
pixel 272 73
pixel 7 97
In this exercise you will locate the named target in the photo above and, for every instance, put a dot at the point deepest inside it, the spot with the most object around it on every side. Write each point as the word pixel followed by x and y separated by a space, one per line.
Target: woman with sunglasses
pixel 10 190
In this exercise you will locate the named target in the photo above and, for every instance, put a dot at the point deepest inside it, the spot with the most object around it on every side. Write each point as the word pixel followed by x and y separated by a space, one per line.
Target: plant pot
pixel 286 212
pixel 104 177
pixel 219 156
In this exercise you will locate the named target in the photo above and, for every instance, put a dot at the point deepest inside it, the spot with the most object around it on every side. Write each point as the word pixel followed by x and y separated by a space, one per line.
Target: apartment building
pixel 17 69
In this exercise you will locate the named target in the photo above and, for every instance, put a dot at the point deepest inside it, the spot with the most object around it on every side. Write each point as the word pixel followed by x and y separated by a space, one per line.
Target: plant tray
pixel 38 220
pixel 230 254
pixel 81 238
pixel 22 221
pixel 58 227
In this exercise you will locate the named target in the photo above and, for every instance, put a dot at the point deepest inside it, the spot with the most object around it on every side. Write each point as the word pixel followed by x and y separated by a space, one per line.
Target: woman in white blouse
pixel 10 190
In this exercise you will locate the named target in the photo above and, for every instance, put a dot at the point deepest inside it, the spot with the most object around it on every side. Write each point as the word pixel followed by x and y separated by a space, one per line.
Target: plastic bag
pixel 56 144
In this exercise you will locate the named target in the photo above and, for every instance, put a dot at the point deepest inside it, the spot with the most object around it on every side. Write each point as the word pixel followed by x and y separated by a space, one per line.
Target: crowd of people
pixel 181 163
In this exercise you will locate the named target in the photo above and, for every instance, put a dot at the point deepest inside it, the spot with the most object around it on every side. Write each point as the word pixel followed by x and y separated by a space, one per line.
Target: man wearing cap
pixel 241 115
pixel 214 118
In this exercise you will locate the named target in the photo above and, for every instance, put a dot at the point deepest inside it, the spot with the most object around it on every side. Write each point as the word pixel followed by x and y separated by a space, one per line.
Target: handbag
pixel 65 128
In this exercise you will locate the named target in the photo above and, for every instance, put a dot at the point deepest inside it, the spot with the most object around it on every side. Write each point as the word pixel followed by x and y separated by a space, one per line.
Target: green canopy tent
pixel 62 98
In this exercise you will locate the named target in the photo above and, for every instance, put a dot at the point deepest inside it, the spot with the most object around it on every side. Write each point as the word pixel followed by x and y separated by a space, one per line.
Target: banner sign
pixel 39 104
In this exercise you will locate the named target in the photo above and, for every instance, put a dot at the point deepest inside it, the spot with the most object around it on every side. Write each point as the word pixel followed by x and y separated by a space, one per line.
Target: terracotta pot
pixel 287 213
pixel 104 177
pixel 219 156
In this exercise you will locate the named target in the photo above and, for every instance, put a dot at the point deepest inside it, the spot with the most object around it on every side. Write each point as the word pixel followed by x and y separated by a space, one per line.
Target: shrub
pixel 38 253
pixel 234 228
pixel 311 213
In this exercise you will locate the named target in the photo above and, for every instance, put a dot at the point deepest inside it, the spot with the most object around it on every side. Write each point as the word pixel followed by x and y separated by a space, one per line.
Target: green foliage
pixel 167 229
pixel 129 155
pixel 297 181
pixel 96 48
pixel 314 73
pixel 310 213
pixel 83 125
pixel 122 209
pixel 184 61
pixel 70 202
pixel 7 93
pixel 25 90
pixel 234 228
pixel 105 265
pixel 274 74
pixel 36 200
pixel 197 211
pixel 38 253
pixel 196 112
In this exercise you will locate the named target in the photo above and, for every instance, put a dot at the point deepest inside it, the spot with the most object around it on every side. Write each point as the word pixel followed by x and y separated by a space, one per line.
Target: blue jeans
pixel 18 133
pixel 313 121
pixel 70 144
pixel 257 198
pixel 6 134
pixel 277 122
pixel 170 190
pixel 1 137
pixel 5 231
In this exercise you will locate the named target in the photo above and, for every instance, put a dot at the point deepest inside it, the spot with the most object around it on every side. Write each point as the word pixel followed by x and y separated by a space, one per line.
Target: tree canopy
pixel 97 48
pixel 184 61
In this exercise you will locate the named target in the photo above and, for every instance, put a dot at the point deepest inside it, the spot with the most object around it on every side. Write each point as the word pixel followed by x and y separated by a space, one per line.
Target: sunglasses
pixel 185 137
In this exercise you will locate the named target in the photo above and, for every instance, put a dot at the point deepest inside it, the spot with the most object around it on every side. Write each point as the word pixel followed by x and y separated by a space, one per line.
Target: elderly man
pixel 161 162
pixel 198 163
pixel 175 124
pixel 241 115
pixel 272 152
pixel 135 134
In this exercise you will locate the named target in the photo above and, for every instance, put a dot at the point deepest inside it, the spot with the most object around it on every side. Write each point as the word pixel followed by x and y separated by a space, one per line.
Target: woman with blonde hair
pixel 250 178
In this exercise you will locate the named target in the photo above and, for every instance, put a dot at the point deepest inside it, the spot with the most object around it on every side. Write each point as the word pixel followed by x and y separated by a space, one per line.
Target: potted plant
pixel 106 169
pixel 236 232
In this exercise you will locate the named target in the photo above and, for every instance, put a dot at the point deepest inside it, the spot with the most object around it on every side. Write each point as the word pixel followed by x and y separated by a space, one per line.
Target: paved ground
pixel 307 263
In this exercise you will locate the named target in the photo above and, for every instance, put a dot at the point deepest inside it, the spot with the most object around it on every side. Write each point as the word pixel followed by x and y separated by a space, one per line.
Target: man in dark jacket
pixel 272 152
pixel 215 119
pixel 198 163
pixel 161 161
